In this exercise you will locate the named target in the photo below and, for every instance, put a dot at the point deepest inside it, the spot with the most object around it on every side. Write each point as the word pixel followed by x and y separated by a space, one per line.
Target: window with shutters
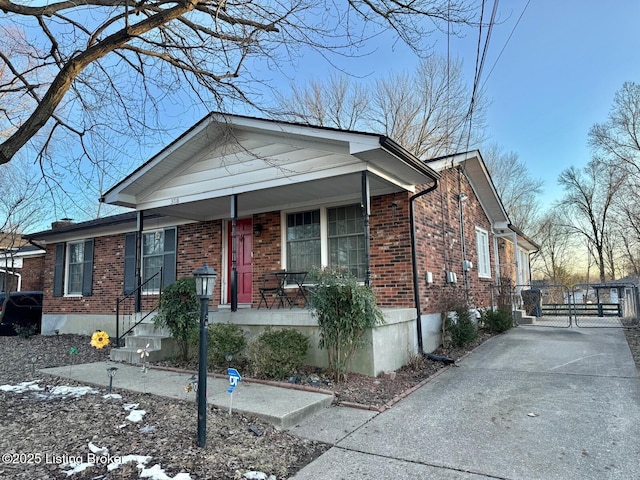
pixel 152 258
pixel 75 262
pixel 73 270
pixel 157 255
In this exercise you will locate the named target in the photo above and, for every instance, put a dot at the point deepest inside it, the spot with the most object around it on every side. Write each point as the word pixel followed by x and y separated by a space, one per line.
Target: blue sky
pixel 555 78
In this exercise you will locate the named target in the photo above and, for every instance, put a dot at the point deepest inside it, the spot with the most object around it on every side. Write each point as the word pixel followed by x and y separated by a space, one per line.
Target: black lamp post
pixel 205 282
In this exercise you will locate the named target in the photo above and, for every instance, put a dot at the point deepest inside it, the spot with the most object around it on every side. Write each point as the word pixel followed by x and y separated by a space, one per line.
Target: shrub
pixel 345 310
pixel 458 326
pixel 180 313
pixel 224 338
pixel 497 321
pixel 277 353
pixel 26 331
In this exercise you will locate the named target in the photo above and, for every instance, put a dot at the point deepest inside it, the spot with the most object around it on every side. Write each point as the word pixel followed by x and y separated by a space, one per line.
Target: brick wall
pixel 438 242
pixel 196 243
pixel 32 273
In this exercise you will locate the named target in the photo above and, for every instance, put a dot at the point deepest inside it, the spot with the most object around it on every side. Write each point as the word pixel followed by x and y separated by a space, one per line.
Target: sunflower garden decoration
pixel 144 353
pixel 99 339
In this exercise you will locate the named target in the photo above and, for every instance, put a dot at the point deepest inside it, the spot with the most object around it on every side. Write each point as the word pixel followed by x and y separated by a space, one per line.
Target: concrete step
pixel 131 355
pixel 282 407
pixel 141 341
pixel 521 318
pixel 146 328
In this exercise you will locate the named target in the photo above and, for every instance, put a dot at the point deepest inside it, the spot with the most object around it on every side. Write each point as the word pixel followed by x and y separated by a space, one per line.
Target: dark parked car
pixel 24 311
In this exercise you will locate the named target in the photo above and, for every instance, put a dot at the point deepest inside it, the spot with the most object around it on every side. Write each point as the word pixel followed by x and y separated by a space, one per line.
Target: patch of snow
pixel 157 473
pixel 255 475
pixel 130 406
pixel 148 429
pixel 98 450
pixel 67 392
pixel 21 387
pixel 139 459
pixel 112 395
pixel 136 415
pixel 77 468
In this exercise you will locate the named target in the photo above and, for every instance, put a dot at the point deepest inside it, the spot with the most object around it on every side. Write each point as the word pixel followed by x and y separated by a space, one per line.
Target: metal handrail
pixel 128 296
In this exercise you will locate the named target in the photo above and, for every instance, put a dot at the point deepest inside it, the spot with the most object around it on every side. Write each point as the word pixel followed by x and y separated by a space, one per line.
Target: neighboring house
pixel 252 196
pixel 21 267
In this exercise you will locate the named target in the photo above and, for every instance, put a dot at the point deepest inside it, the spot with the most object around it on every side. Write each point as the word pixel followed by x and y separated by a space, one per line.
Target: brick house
pixel 21 264
pixel 250 197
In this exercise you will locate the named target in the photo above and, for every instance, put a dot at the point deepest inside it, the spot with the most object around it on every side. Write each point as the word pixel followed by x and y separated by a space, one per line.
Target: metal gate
pixel 584 305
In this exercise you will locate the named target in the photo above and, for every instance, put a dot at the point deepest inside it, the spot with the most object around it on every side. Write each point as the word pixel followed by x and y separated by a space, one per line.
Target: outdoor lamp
pixel 205 281
pixel 111 371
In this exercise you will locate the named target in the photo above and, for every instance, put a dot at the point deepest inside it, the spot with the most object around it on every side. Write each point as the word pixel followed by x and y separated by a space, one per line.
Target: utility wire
pixel 507 42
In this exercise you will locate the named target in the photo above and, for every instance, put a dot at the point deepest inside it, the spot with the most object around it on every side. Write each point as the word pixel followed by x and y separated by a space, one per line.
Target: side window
pixel 158 250
pixel 484 263
pixel 73 269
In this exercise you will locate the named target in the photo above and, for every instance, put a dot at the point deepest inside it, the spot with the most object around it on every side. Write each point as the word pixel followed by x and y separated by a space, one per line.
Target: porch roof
pixel 270 165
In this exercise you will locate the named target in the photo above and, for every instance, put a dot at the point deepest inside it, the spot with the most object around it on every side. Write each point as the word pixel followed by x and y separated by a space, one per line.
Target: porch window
pixel 303 240
pixel 328 236
pixel 484 262
pixel 345 231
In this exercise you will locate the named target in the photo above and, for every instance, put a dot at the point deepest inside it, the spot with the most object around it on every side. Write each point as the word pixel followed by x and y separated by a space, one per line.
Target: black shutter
pixel 169 257
pixel 87 269
pixel 129 263
pixel 58 271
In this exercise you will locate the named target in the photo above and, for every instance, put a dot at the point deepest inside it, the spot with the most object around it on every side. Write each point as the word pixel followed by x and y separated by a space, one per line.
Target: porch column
pixel 234 254
pixel 366 212
pixel 139 229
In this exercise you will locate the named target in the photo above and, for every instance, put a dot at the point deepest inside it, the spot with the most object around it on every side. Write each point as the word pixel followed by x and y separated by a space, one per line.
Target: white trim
pixel 68 246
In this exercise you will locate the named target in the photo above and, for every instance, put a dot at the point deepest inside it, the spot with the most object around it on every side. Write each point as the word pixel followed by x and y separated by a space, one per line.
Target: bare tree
pixel 85 64
pixel 517 187
pixel 555 259
pixel 20 209
pixel 617 141
pixel 426 111
pixel 589 195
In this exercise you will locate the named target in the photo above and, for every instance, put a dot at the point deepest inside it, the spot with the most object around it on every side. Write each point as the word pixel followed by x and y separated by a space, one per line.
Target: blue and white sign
pixel 234 379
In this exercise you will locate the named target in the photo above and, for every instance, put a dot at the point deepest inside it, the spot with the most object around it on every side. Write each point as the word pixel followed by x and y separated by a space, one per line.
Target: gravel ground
pixel 44 433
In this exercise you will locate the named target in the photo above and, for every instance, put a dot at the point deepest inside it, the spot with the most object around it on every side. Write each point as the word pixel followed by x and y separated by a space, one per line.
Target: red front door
pixel 244 250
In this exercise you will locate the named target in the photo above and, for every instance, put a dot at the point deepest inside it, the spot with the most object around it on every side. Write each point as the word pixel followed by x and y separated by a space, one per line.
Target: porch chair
pixel 273 289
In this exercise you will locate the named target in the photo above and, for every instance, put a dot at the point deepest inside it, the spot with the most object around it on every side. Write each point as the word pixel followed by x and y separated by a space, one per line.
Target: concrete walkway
pixel 534 403
pixel 279 406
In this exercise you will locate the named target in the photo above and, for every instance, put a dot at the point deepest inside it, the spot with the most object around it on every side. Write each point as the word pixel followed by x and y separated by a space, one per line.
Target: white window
pixel 329 236
pixel 152 258
pixel 484 260
pixel 75 263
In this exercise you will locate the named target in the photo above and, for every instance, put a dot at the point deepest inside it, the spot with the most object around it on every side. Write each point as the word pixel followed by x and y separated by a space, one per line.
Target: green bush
pixel 180 313
pixel 277 353
pixel 26 331
pixel 497 321
pixel 461 328
pixel 224 338
pixel 345 309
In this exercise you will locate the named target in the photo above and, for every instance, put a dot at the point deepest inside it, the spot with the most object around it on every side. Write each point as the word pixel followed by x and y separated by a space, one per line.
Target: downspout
pixel 414 262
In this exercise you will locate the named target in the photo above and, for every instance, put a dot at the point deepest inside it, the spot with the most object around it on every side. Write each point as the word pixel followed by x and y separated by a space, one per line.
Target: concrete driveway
pixel 534 403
